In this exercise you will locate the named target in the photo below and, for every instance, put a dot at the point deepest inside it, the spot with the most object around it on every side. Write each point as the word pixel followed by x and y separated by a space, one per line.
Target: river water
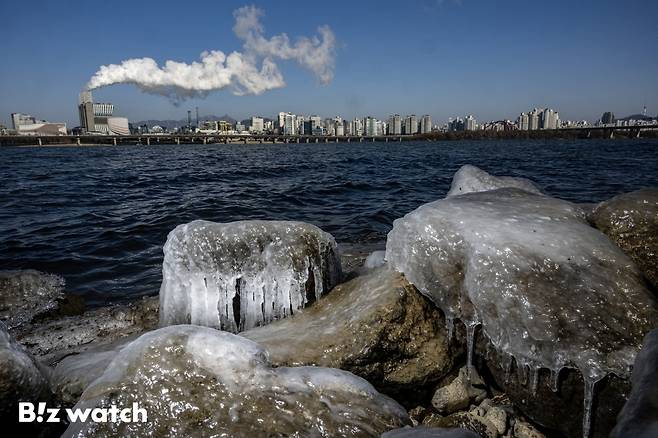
pixel 98 216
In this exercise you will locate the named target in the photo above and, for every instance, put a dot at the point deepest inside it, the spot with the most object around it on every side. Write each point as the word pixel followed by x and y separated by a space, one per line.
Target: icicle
pixel 588 399
pixel 555 379
pixel 523 373
pixel 450 325
pixel 534 379
pixel 508 368
pixel 470 345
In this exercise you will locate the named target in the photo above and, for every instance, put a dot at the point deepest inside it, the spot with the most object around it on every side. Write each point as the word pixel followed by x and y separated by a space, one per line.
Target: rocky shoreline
pixel 495 312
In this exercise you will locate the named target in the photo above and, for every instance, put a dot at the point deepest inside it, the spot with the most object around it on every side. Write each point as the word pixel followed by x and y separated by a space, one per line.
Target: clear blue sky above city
pixel 492 59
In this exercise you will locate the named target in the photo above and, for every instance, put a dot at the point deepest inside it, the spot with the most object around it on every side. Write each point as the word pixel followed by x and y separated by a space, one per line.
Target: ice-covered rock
pixel 26 294
pixel 429 432
pixel 22 379
pixel 631 221
pixel 198 381
pixel 546 288
pixel 469 179
pixel 239 275
pixel 639 417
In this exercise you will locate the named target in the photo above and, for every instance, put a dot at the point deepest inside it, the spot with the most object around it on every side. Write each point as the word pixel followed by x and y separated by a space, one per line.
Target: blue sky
pixel 446 58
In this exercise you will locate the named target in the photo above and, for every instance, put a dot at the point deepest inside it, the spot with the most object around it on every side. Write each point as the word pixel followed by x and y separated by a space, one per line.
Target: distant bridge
pixel 194 138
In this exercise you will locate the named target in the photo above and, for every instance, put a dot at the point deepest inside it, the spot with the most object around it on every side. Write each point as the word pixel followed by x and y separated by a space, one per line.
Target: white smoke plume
pixel 252 71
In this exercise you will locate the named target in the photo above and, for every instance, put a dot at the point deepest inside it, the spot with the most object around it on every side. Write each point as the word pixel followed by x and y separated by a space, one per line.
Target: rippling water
pixel 99 216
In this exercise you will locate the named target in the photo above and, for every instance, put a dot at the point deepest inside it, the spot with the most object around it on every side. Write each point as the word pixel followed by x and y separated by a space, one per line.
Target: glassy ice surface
pixel 239 275
pixel 27 293
pixel 469 179
pixel 197 381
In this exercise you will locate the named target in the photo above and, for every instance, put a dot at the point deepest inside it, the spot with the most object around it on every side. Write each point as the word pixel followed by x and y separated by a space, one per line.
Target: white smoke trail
pixel 238 71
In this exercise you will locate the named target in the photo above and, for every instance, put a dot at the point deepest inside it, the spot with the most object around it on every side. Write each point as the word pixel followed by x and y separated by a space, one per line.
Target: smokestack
pixel 197 116
pixel 189 119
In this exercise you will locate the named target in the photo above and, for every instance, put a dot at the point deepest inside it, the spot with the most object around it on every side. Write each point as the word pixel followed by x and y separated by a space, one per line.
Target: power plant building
pixel 98 118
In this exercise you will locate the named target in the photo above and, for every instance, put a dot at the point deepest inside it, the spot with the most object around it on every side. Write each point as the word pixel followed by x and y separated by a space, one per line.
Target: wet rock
pixel 532 277
pixel 639 417
pixel 523 429
pixel 497 417
pixel 470 179
pixel 22 379
pixel 429 432
pixel 52 339
pixel 27 294
pixel 631 221
pixel 239 275
pixel 465 389
pixel 197 381
pixel 376 326
pixel 466 420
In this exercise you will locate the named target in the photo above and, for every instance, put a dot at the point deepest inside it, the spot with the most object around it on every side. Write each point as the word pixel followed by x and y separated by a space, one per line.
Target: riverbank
pixel 594 132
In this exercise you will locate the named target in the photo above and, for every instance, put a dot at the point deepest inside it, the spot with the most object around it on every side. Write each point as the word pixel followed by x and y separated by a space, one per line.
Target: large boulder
pixel 239 275
pixel 639 417
pixel 376 326
pixel 545 288
pixel 197 381
pixel 631 221
pixel 470 179
pixel 26 294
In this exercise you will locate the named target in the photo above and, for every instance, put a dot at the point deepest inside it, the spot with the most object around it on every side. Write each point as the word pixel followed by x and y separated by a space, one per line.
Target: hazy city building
pixel 608 118
pixel 470 123
pixel 395 125
pixel 25 124
pixel 522 122
pixel 425 124
pixel 257 126
pixel 410 125
pixel 357 127
pixel 370 126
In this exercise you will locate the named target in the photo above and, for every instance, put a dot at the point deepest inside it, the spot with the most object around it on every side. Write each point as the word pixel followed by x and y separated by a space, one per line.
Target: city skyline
pixel 582 59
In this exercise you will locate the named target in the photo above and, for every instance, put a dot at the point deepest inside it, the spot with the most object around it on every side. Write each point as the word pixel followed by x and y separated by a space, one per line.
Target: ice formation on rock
pixel 197 381
pixel 239 275
pixel 25 294
pixel 375 260
pixel 21 377
pixel 545 287
pixel 469 179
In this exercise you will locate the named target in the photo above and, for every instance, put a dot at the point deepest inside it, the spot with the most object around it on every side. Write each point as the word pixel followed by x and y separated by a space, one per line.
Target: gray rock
pixel 470 179
pixel 26 294
pixel 376 326
pixel 466 420
pixel 631 221
pixel 639 417
pixel 497 417
pixel 460 393
pixel 523 429
pixel 239 275
pixel 51 340
pixel 429 432
pixel 197 381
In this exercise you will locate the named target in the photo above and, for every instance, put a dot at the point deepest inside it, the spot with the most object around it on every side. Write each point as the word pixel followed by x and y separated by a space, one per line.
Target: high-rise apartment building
pixel 395 125
pixel 425 124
